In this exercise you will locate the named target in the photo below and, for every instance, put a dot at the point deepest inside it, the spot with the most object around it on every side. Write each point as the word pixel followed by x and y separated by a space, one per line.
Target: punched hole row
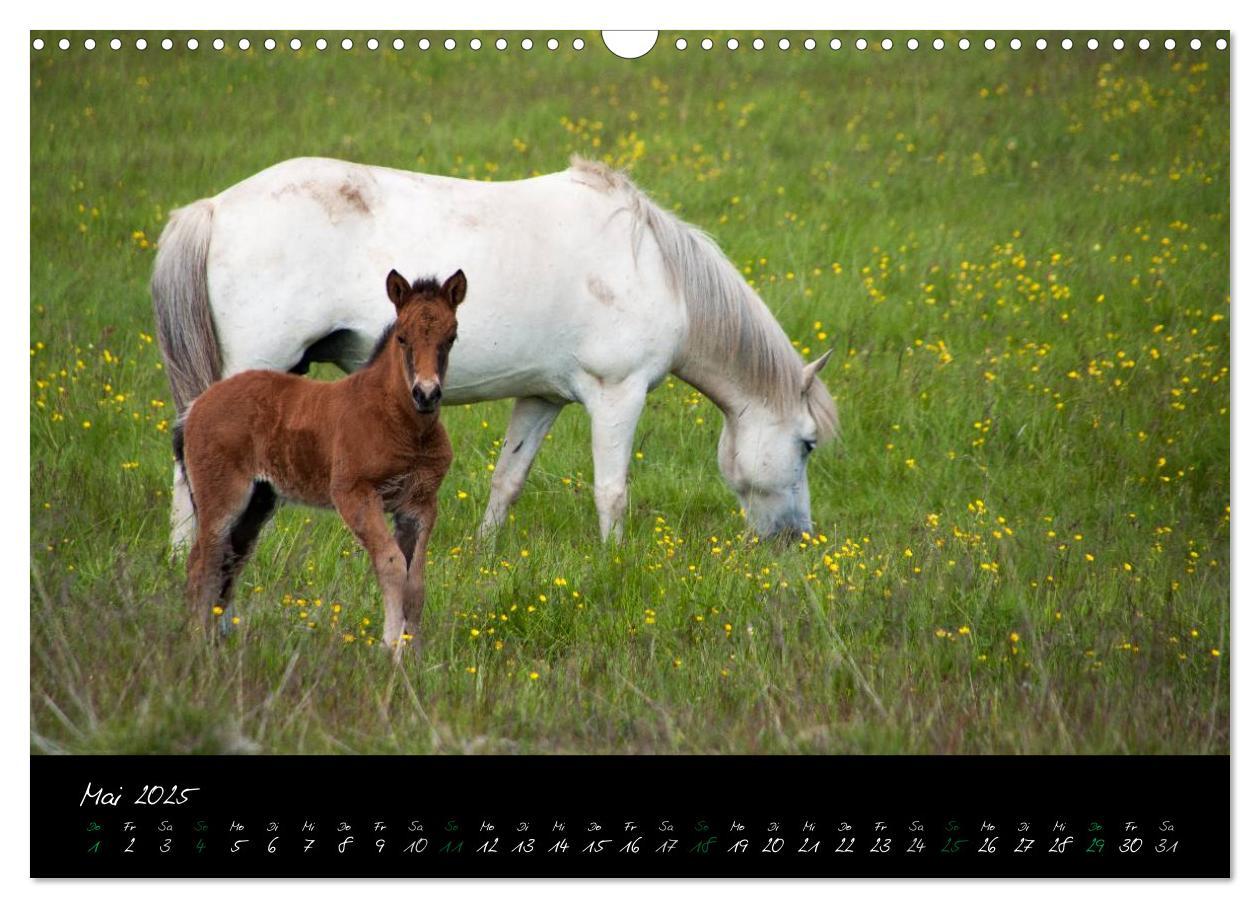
pixel 757 44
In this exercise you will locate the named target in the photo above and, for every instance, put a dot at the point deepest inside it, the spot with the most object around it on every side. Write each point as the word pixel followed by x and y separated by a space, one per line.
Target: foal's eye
pixel 403 341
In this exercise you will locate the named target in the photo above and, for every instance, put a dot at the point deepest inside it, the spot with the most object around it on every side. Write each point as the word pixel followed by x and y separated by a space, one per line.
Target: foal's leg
pixel 531 420
pixel 221 501
pixel 205 575
pixel 413 590
pixel 241 539
pixel 360 506
pixel 614 414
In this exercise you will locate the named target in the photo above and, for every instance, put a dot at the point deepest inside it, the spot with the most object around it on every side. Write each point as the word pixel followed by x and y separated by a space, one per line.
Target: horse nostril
pixel 425 400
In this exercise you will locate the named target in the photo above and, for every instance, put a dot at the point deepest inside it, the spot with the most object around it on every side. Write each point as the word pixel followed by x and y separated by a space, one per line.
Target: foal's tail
pixel 181 303
pixel 177 443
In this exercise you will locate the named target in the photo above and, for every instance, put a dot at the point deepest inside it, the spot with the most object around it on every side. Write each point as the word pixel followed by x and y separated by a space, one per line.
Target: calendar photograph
pixel 784 395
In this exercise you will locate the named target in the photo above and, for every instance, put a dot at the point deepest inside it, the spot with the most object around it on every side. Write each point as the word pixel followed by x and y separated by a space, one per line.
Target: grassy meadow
pixel 1022 535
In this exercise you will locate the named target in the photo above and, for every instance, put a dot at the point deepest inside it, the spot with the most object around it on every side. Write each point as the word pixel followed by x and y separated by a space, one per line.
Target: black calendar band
pixel 622 816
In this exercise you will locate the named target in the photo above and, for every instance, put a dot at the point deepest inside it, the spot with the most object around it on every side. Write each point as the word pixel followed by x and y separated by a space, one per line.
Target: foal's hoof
pixel 406 648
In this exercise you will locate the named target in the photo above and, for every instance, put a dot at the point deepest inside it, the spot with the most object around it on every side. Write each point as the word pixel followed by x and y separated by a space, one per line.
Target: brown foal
pixel 367 444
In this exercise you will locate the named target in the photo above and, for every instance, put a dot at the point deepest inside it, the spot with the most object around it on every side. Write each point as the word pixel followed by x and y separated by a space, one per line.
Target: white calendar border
pixel 502 14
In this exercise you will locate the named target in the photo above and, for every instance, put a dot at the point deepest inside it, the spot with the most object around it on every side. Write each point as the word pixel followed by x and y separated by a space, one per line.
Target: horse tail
pixel 181 303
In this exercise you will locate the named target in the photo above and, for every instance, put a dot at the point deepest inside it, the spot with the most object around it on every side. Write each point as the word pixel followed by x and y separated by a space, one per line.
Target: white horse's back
pixel 551 267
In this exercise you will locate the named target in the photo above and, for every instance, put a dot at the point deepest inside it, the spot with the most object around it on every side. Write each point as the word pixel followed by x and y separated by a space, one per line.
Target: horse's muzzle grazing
pixel 426 401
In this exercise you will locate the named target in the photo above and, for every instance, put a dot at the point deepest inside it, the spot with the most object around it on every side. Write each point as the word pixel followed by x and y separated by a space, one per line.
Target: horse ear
pixel 812 370
pixel 455 287
pixel 398 288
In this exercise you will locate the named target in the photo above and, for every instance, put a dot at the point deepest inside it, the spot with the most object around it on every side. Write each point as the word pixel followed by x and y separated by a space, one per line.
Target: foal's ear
pixel 455 287
pixel 398 288
pixel 812 370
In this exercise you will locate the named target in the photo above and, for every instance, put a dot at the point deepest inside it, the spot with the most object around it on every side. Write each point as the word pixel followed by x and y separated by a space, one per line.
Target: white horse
pixel 580 288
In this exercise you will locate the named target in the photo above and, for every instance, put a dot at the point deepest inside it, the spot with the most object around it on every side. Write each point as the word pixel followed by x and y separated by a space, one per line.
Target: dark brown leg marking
pixel 244 534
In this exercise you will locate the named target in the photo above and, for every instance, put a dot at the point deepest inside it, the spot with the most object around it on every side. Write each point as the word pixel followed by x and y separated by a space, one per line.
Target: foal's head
pixel 424 332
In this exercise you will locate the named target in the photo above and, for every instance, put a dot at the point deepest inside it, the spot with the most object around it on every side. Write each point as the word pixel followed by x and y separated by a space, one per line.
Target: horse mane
pixel 425 286
pixel 727 320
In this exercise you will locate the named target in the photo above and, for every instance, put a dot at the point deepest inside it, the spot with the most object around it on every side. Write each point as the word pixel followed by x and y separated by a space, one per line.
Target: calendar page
pixel 665 454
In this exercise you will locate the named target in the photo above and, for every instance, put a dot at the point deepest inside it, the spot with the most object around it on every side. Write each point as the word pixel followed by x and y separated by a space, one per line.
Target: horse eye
pixel 403 341
pixel 808 445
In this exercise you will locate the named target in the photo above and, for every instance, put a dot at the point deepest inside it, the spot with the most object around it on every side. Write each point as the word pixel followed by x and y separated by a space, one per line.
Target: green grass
pixel 1021 258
